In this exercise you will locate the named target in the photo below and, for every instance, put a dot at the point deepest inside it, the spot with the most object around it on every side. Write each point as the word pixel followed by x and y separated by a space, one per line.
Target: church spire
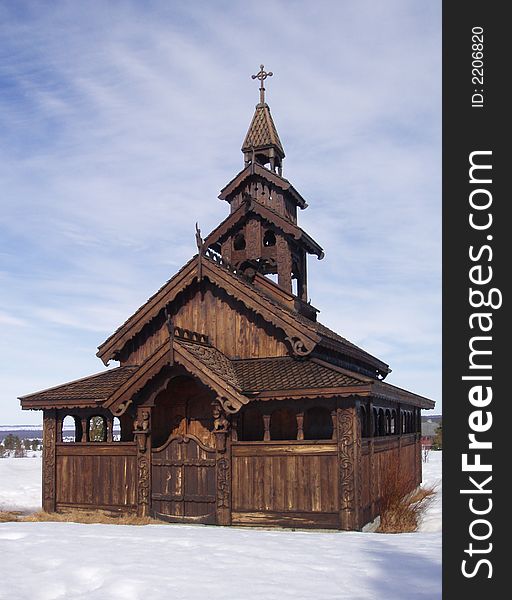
pixel 262 144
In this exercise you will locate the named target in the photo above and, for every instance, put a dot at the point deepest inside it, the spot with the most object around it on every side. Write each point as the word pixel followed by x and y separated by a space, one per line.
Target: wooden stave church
pixel 235 405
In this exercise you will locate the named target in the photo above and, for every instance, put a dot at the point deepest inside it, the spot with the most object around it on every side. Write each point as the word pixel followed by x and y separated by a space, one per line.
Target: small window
pixel 239 242
pixel 71 429
pixel 97 429
pixel 269 239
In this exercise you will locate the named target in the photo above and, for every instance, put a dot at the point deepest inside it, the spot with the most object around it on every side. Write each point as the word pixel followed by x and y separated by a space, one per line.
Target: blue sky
pixel 121 121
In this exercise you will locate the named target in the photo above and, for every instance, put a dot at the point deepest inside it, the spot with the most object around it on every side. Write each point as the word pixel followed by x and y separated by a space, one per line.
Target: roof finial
pixel 262 75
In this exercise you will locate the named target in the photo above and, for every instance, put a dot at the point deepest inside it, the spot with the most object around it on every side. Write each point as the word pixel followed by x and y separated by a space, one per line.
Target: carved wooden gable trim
pixel 242 213
pixel 301 338
pixel 270 176
pixel 230 398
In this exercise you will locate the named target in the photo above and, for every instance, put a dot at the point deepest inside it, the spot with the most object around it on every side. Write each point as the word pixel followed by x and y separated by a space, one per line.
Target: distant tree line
pixel 14 446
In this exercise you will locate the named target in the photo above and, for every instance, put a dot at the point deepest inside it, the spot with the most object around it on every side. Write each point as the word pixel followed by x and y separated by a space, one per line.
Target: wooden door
pixel 183 481
pixel 183 466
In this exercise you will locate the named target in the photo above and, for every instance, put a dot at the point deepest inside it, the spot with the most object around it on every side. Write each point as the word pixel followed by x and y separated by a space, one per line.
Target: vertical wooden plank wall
pixel 402 452
pixel 96 475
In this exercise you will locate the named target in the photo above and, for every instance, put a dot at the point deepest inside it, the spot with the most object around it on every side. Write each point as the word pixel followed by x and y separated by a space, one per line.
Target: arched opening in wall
pixel 283 425
pixel 382 423
pixel 375 423
pixel 393 422
pixel 388 422
pixel 239 242
pixel 269 239
pixel 402 421
pixel 71 429
pixel 317 423
pixel 183 408
pixel 97 429
pixel 116 430
pixel 273 277
pixel 251 425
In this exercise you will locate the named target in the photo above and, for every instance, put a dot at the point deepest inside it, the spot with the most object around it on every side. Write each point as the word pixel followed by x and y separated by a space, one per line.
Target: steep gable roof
pixel 303 333
pixel 262 131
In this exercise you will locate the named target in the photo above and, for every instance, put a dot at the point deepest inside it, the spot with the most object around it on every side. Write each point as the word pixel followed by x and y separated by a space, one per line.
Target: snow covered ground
pixel 50 561
pixel 20 484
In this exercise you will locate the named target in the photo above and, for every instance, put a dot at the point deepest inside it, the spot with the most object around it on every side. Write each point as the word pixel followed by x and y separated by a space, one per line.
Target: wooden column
pixel 349 464
pixel 142 437
pixel 59 428
pixel 226 249
pixel 84 429
pixel 373 466
pixel 284 263
pixel 221 429
pixel 49 460
pixel 300 426
pixel 253 239
pixel 266 428
pixel 110 426
pixel 234 428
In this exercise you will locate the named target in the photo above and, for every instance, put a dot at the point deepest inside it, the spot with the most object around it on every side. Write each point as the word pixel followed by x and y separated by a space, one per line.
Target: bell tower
pixel 261 236
pixel 262 144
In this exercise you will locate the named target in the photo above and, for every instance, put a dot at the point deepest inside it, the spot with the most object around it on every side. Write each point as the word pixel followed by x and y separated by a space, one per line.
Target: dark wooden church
pixel 232 404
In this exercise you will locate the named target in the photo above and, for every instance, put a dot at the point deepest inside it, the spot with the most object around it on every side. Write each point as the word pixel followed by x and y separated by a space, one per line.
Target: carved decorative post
pixel 253 239
pixel 300 426
pixel 110 426
pixel 221 429
pixel 266 428
pixel 142 436
pixel 349 462
pixel 234 428
pixel 373 466
pixel 59 428
pixel 334 418
pixel 49 460
pixel 284 263
pixel 84 429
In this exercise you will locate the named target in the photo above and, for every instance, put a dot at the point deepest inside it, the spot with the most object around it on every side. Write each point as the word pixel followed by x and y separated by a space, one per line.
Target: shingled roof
pixel 262 131
pixel 85 391
pixel 285 372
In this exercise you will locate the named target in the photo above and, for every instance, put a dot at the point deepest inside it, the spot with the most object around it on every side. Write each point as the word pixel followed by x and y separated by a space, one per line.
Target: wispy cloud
pixel 120 123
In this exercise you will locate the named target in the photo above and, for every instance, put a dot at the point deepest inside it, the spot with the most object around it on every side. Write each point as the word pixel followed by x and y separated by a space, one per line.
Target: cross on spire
pixel 262 75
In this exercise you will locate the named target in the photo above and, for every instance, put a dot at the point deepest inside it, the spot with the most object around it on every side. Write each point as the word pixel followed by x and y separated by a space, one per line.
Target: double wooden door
pixel 183 466
pixel 183 481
